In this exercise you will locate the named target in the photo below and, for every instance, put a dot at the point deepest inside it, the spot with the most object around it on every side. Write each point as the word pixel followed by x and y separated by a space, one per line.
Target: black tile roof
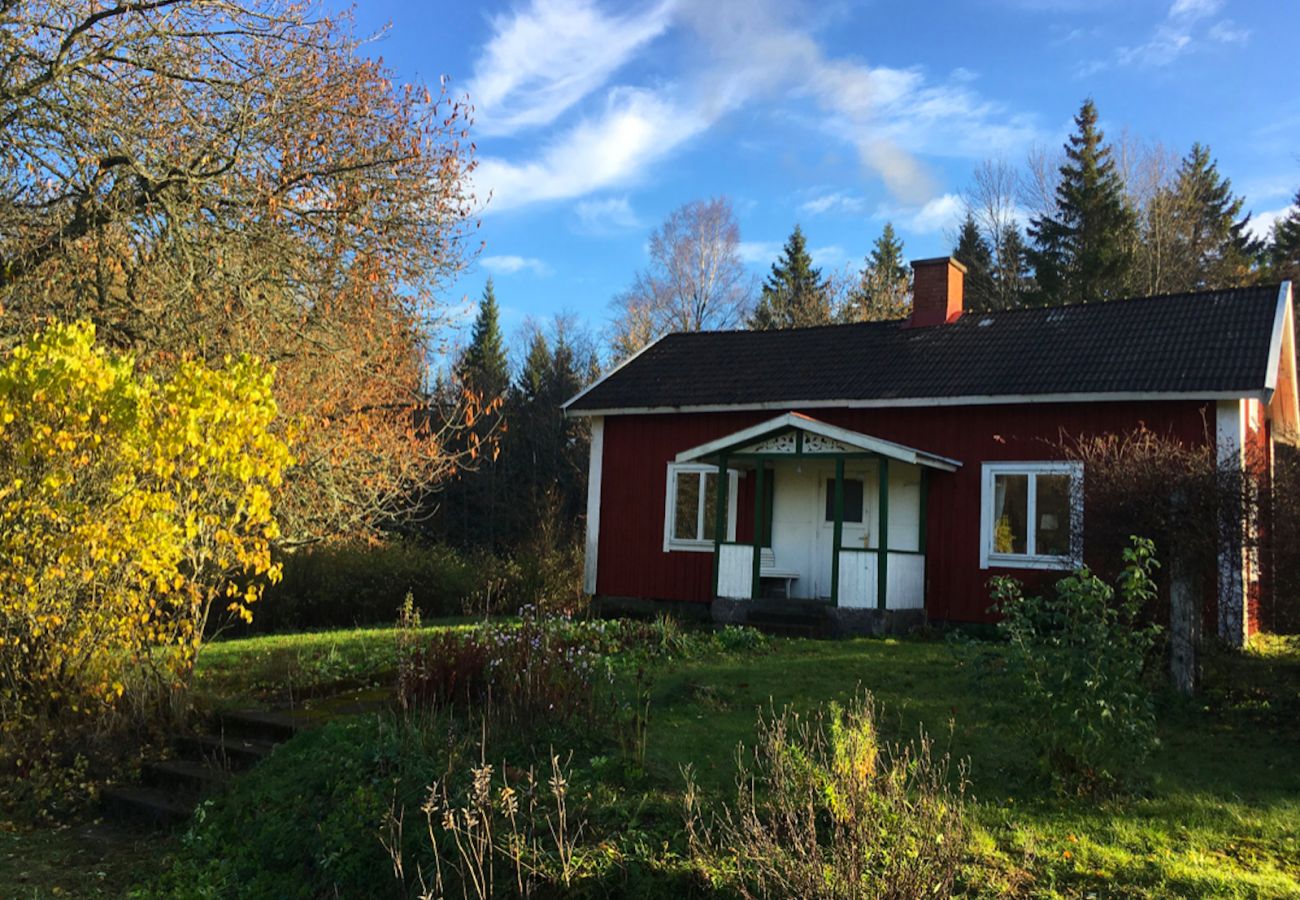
pixel 1212 342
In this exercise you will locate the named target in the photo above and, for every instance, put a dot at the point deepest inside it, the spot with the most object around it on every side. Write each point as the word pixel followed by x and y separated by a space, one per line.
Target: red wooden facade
pixel 638 447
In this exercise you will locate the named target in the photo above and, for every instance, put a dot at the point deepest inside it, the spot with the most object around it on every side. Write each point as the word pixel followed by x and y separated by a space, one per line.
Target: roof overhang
pixel 739 441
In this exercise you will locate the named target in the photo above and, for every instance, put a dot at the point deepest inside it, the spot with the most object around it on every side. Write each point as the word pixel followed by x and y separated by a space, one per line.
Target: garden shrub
pixel 1079 659
pixel 352 584
pixel 825 809
pixel 355 584
pixel 536 671
pixel 131 510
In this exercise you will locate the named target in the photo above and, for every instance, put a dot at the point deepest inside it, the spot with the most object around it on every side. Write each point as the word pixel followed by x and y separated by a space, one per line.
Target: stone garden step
pixel 184 775
pixel 151 807
pixel 225 751
pixel 260 724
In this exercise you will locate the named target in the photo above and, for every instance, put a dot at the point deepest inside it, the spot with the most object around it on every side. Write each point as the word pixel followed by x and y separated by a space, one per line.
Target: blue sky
pixel 594 119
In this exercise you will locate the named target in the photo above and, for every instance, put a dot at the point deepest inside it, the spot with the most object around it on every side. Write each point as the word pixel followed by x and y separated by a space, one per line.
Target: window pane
pixel 1052 531
pixel 688 506
pixel 710 505
pixel 852 500
pixel 1010 511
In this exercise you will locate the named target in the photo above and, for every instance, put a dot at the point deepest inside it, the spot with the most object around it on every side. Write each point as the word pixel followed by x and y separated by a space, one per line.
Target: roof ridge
pixel 1270 287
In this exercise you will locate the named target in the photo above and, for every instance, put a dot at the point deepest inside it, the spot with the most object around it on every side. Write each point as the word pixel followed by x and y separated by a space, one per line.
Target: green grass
pixel 285 668
pixel 1219 816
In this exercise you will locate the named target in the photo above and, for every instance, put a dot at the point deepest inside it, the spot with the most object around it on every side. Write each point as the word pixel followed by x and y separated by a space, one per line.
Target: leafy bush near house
pixel 348 585
pixel 352 584
pixel 824 809
pixel 1079 660
pixel 131 511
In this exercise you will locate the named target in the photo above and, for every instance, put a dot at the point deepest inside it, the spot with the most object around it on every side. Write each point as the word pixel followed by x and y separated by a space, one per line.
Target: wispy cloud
pixel 610 215
pixel 512 265
pixel 935 216
pixel 834 202
pixel 542 60
pixel 1228 32
pixel 1175 35
pixel 829 256
pixel 745 52
pixel 758 252
pixel 636 128
pixel 1261 224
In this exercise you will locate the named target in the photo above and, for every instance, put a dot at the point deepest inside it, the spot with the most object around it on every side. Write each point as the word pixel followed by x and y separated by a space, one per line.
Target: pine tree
pixel 1210 246
pixel 1012 279
pixel 1284 248
pixel 885 283
pixel 484 367
pixel 794 294
pixel 974 253
pixel 545 453
pixel 476 496
pixel 1081 250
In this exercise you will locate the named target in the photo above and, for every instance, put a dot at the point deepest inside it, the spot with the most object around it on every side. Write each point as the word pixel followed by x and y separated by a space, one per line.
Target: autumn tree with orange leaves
pixel 204 179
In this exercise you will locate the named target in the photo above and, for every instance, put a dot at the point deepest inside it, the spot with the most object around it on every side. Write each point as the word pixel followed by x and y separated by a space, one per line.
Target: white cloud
pixel 542 60
pixel 607 216
pixel 829 256
pixel 935 216
pixel 1189 10
pixel 637 128
pixel 760 253
pixel 1176 35
pixel 1228 32
pixel 747 52
pixel 834 202
pixel 511 265
pixel 1261 224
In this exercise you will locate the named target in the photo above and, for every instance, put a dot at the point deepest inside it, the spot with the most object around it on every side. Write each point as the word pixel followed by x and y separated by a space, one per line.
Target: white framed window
pixel 1031 515
pixel 690 506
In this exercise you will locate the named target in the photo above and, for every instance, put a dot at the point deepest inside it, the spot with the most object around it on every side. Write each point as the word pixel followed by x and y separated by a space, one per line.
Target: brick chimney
pixel 936 291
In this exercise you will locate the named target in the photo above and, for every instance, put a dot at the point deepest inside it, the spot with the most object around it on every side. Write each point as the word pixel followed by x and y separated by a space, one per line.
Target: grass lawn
pixel 1220 815
pixel 285 668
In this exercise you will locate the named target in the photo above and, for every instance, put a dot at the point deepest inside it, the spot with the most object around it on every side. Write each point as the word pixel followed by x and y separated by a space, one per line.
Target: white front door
pixel 857 517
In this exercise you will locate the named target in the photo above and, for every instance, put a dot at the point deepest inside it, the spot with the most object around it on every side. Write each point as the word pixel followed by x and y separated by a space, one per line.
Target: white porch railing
pixel 859 579
pixel 735 571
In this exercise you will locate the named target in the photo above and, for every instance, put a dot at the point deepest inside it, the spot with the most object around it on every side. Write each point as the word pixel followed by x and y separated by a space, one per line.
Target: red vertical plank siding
pixel 632 561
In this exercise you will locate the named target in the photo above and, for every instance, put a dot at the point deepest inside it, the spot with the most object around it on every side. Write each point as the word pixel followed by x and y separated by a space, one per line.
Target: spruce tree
pixel 1081 249
pixel 484 367
pixel 1210 246
pixel 974 253
pixel 476 496
pixel 1012 281
pixel 885 283
pixel 794 294
pixel 1284 248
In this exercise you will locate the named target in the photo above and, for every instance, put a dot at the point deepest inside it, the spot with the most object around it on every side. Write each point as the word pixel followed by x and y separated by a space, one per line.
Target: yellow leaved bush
pixel 131 510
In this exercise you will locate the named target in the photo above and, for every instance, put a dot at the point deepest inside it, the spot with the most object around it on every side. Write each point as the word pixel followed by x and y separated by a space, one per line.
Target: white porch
pixel 838 516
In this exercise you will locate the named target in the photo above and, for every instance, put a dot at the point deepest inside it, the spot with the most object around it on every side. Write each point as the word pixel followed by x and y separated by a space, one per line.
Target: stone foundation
pixel 816 617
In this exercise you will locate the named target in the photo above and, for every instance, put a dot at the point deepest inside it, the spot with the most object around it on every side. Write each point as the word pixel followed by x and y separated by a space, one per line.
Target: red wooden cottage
pixel 883 472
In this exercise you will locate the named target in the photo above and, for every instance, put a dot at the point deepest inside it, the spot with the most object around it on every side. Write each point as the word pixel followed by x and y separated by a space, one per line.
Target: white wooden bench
pixel 767 569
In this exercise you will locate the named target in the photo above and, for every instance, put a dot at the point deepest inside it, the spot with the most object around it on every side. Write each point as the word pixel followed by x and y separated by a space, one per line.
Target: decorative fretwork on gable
pixel 788 443
pixel 781 443
pixel 815 443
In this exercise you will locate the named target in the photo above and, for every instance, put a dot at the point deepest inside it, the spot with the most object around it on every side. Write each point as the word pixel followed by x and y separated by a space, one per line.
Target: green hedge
pixel 341 586
pixel 349 585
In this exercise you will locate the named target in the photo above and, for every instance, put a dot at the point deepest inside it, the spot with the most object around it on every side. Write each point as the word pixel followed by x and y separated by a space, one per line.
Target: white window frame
pixel 990 558
pixel 670 506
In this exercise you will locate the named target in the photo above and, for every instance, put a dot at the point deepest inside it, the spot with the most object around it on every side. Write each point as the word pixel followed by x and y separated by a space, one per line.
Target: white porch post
pixel 1230 449
pixel 594 467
